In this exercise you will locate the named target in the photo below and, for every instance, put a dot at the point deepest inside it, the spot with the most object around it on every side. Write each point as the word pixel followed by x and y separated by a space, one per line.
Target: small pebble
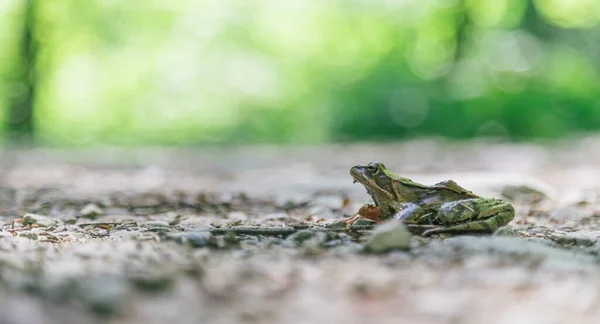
pixel 151 281
pixel 389 236
pixel 91 211
pixel 301 236
pixel 30 235
pixel 42 221
pixel 199 239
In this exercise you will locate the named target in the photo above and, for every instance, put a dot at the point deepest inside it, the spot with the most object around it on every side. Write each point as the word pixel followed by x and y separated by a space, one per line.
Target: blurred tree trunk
pixel 20 115
pixel 536 24
pixel 463 28
pixel 533 22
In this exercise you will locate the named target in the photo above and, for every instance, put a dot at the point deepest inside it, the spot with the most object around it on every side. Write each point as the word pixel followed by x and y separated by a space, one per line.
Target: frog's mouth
pixel 361 175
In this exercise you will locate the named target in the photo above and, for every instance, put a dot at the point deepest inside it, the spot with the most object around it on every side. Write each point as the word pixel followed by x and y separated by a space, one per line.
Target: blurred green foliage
pixel 304 71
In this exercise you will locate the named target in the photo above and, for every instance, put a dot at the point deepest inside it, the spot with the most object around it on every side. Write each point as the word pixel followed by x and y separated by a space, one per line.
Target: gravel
pixel 254 235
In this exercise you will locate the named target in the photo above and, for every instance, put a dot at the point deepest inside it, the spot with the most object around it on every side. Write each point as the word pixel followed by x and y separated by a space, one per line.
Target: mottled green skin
pixel 444 207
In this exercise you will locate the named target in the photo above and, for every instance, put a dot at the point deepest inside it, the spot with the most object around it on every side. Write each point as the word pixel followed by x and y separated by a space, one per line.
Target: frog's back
pixel 449 187
pixel 454 187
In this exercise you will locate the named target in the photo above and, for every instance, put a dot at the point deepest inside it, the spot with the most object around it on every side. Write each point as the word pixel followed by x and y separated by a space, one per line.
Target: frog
pixel 442 208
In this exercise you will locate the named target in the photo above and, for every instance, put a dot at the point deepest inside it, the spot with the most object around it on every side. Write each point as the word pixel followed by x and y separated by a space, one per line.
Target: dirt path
pixel 121 236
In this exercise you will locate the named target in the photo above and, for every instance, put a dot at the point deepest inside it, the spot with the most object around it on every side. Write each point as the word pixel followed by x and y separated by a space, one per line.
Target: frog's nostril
pixel 356 171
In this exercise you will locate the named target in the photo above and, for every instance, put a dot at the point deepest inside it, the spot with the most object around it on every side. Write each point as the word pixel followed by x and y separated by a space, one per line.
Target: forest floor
pixel 140 236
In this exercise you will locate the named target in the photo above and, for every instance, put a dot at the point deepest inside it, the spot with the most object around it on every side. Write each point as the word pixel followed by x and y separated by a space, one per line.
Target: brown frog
pixel 444 207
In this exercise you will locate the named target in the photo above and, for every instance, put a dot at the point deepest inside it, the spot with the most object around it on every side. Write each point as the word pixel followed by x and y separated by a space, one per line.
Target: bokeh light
pixel 154 73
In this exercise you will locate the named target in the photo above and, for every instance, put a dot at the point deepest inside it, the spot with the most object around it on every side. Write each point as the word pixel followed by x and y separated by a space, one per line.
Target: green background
pixel 191 72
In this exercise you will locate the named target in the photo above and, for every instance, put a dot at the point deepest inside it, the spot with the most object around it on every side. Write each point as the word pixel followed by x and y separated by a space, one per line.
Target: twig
pixel 256 230
pixel 283 231
pixel 108 224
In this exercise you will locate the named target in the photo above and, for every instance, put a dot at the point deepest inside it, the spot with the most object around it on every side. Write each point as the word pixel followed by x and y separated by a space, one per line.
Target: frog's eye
pixel 373 168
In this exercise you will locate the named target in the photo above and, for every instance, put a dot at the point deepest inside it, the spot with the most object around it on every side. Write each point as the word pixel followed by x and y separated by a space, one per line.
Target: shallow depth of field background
pixel 296 71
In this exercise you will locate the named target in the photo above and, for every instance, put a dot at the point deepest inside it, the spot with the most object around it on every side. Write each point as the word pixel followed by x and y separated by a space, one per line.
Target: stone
pixel 506 231
pixel 523 193
pixel 42 221
pixel 105 294
pixel 363 223
pixel 392 235
pixel 29 234
pixel 91 211
pixel 312 240
pixel 151 281
pixel 301 236
pixel 156 224
pixel 199 239
pixel 336 225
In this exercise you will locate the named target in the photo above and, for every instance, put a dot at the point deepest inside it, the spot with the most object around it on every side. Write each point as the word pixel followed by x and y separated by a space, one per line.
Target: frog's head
pixel 376 178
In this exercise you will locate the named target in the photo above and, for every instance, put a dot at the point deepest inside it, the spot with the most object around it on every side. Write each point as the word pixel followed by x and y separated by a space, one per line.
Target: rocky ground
pixel 240 235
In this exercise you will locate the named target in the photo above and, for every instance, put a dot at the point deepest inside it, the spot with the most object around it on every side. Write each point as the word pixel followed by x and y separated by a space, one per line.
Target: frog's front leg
pixel 477 215
pixel 367 211
pixel 376 214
